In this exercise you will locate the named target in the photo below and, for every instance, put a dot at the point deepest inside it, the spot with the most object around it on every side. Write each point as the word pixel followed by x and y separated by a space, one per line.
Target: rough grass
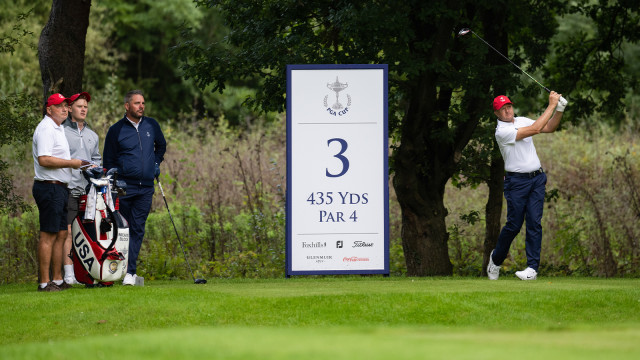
pixel 346 317
pixel 226 191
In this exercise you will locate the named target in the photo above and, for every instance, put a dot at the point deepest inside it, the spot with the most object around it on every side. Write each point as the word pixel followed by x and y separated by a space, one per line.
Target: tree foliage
pixel 589 57
pixel 440 86
pixel 144 31
pixel 10 40
pixel 17 118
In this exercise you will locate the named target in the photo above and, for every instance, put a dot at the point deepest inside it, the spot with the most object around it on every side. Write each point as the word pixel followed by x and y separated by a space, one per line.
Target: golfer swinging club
pixel 524 182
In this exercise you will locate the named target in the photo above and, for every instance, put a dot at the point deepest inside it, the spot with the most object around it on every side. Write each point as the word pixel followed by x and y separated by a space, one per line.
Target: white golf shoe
pixel 129 279
pixel 493 270
pixel 71 280
pixel 527 274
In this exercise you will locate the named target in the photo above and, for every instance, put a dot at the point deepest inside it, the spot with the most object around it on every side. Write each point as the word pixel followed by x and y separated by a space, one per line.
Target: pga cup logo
pixel 337 109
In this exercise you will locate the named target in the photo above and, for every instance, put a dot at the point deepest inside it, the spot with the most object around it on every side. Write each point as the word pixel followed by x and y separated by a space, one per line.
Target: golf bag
pixel 100 234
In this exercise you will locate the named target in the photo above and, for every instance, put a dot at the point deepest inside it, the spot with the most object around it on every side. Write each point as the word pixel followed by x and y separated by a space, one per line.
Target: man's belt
pixel 53 182
pixel 526 175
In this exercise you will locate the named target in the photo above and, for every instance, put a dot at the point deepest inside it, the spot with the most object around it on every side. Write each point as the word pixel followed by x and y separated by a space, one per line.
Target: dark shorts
pixel 72 208
pixel 52 204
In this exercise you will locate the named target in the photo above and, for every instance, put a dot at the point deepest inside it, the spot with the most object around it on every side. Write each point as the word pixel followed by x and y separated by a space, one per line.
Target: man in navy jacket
pixel 135 146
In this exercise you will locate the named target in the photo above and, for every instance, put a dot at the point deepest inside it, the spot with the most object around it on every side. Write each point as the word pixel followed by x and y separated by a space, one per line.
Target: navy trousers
pixel 525 201
pixel 135 207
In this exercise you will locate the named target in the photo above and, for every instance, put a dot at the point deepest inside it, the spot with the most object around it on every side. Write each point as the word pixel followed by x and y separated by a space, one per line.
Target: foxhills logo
pixel 316 244
pixel 337 109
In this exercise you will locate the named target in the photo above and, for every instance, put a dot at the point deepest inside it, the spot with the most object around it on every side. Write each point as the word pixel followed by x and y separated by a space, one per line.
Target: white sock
pixel 57 282
pixel 43 285
pixel 68 271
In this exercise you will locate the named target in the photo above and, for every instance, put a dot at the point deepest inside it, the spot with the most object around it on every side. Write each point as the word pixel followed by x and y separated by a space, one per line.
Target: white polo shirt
pixel 519 156
pixel 49 140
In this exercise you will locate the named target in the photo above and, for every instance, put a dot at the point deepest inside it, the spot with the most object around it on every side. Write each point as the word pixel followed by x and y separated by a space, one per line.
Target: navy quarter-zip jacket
pixel 134 151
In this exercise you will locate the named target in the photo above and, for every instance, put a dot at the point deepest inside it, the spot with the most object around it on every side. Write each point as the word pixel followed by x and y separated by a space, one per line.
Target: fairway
pixel 327 318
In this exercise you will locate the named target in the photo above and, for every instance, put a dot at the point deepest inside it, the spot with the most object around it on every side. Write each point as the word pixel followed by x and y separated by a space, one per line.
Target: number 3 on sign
pixel 339 156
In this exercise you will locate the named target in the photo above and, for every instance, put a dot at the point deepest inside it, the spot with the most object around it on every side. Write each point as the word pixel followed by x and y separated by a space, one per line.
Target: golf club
pixel 465 31
pixel 195 281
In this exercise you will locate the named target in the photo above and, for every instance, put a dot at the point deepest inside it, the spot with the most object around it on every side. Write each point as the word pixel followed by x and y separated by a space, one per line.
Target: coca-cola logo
pixel 354 259
pixel 359 244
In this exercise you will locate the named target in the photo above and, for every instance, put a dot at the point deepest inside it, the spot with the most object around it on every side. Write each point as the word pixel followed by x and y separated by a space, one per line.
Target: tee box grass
pixel 327 318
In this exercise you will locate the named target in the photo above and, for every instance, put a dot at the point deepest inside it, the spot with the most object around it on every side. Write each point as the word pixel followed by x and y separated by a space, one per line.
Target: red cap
pixel 500 101
pixel 55 99
pixel 86 95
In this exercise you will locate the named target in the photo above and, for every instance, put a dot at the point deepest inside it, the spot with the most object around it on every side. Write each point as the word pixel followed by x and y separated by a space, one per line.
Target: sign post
pixel 337 170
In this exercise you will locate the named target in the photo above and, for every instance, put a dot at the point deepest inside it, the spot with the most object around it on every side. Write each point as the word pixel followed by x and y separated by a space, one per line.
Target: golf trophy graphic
pixel 337 86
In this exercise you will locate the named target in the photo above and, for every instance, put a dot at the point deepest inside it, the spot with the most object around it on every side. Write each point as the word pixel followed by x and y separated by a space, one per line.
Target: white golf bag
pixel 100 236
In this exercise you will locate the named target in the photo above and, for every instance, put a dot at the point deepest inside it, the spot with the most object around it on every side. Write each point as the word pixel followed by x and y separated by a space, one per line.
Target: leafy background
pixel 225 165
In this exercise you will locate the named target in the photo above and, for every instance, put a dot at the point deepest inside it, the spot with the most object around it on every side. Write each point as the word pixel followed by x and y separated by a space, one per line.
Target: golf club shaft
pixel 562 99
pixel 176 230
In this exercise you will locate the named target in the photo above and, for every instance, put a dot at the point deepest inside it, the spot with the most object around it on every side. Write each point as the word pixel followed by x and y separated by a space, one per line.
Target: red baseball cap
pixel 500 101
pixel 73 98
pixel 55 99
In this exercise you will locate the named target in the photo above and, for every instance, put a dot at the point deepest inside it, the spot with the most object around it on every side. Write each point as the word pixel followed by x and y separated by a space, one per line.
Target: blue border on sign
pixel 385 175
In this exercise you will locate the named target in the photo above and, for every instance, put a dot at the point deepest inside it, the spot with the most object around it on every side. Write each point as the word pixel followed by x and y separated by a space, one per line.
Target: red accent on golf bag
pixel 99 246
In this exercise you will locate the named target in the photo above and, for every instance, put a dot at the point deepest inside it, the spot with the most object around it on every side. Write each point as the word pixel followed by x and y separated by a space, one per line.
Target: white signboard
pixel 337 170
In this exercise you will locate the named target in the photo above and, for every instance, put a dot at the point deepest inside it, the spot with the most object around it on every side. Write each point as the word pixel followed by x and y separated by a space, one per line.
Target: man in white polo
pixel 524 181
pixel 51 164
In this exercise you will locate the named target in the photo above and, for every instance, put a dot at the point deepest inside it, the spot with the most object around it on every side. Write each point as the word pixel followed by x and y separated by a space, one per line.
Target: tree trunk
pixel 422 169
pixel 493 208
pixel 61 47
pixel 429 152
pixel 419 182
pixel 425 238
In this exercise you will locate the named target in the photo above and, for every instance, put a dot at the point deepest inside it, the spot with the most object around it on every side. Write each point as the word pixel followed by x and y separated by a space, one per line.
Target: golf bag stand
pixel 100 235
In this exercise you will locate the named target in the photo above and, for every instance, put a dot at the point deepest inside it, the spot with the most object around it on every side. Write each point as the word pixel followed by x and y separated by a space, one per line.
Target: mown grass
pixel 352 317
